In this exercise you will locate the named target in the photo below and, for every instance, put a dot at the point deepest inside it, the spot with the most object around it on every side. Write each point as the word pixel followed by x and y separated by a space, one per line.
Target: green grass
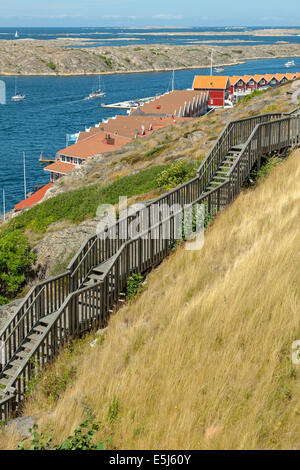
pixel 252 95
pixel 80 204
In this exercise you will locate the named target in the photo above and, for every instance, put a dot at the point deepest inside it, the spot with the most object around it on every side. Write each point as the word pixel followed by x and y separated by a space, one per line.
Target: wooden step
pixel 102 268
pixel 4 382
pixel 22 354
pixel 237 147
pixel 48 318
pixel 95 277
pixel 17 363
pixel 40 328
pixel 34 337
pixel 11 372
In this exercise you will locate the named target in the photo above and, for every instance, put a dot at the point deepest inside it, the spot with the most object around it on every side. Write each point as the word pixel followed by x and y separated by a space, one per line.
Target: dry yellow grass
pixel 207 344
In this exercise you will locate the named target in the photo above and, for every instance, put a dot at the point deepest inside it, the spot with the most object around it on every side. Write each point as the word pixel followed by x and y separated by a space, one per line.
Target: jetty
pixel 43 159
pixel 131 104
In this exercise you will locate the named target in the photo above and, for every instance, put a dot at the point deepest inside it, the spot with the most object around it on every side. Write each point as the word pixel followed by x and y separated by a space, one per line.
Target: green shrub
pixel 252 95
pixel 267 166
pixel 81 439
pixel 16 259
pixel 134 285
pixel 51 66
pixel 176 174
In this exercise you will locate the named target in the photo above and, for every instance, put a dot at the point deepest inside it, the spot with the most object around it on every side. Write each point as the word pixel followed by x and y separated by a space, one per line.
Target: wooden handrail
pixel 98 299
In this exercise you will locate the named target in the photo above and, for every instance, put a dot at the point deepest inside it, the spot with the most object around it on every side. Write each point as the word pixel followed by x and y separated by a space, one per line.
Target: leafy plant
pixel 51 66
pixel 16 259
pixel 134 285
pixel 176 174
pixel 81 439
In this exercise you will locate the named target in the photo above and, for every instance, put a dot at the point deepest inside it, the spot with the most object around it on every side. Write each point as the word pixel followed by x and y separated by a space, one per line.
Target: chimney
pixel 109 140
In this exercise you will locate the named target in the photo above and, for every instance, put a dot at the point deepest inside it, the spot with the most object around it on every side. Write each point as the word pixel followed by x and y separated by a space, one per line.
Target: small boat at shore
pixel 219 69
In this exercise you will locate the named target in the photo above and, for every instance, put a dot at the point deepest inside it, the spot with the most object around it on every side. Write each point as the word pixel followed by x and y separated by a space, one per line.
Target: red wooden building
pixel 217 86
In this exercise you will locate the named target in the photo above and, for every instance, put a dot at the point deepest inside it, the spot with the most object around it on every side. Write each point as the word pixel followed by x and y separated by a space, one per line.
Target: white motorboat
pixel 290 63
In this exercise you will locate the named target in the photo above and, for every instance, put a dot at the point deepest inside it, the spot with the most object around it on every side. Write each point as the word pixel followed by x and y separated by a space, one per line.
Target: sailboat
pixel 17 96
pixel 16 35
pixel 97 94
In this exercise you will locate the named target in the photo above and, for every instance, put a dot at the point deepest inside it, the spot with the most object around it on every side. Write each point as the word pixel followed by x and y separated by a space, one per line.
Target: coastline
pixel 167 69
pixel 37 58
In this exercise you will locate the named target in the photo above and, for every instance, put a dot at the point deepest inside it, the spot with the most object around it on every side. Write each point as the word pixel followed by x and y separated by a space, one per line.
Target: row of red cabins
pixel 225 90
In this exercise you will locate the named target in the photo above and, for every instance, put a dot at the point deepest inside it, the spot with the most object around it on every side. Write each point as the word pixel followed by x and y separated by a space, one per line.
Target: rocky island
pixel 60 57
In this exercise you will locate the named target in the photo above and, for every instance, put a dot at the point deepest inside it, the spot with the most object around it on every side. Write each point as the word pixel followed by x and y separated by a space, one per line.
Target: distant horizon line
pixel 155 27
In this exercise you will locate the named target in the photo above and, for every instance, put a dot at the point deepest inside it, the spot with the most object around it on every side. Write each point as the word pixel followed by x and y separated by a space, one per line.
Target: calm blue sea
pixel 55 106
pixel 124 36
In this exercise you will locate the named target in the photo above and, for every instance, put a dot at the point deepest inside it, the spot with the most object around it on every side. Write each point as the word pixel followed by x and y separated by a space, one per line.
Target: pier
pixel 128 104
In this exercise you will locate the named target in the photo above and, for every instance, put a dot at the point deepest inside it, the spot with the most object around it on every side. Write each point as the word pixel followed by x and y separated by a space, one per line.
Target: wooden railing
pixel 42 300
pixel 89 307
pixel 265 139
pixel 235 133
pixel 75 311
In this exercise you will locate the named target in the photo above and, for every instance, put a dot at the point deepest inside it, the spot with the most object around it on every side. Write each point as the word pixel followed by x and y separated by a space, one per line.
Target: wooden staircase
pixel 222 173
pixel 12 370
pixel 64 307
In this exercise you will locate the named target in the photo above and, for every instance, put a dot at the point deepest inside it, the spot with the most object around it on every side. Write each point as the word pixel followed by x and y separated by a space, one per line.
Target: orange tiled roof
pixel 207 82
pixel 34 199
pixel 280 76
pixel 60 167
pixel 258 77
pixel 93 145
pixel 129 126
pixel 236 78
pixel 170 104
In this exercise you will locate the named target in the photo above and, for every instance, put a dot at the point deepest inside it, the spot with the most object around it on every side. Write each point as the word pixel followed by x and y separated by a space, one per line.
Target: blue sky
pixel 149 13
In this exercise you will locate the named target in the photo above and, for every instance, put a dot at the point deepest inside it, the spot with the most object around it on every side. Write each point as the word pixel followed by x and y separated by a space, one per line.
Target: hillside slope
pixel 202 359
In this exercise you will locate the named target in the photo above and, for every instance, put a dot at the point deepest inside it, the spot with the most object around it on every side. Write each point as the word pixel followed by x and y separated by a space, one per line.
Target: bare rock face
pixel 60 57
pixel 21 426
pixel 57 248
pixel 6 311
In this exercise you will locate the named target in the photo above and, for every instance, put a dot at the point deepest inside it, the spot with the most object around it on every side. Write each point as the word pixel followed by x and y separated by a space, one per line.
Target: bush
pixel 134 285
pixel 176 174
pixel 16 259
pixel 81 439
pixel 51 66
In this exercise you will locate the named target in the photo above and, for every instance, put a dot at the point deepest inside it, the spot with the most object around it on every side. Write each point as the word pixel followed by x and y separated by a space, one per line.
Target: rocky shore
pixel 60 57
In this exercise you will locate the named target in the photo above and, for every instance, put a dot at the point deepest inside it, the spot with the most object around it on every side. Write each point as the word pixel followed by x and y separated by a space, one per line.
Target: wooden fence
pixel 76 310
